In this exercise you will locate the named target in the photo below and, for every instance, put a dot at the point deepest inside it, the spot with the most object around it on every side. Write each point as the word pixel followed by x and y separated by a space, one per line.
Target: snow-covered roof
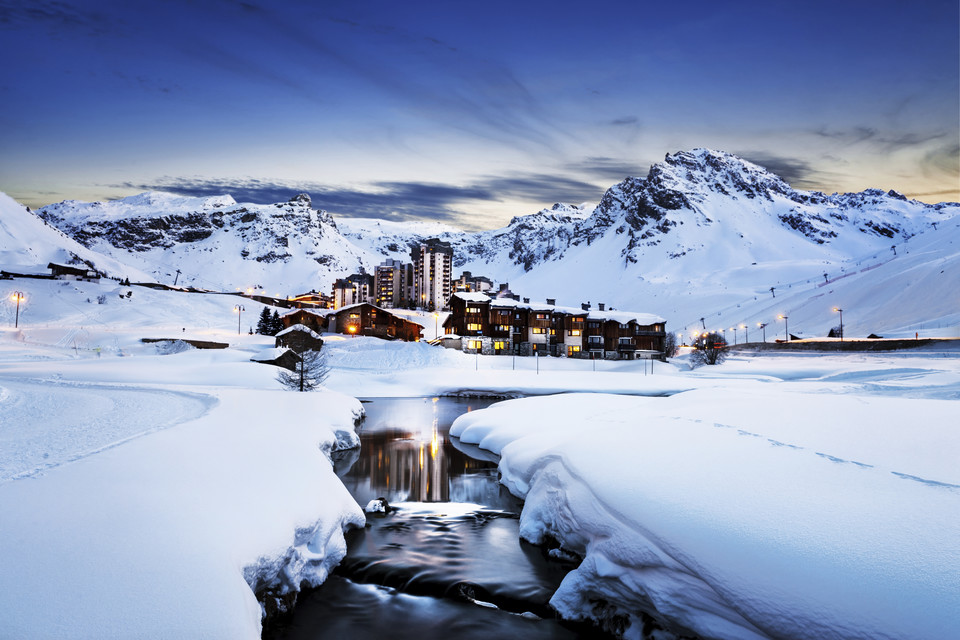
pixel 623 317
pixel 472 296
pixel 322 313
pixel 299 327
pixel 269 355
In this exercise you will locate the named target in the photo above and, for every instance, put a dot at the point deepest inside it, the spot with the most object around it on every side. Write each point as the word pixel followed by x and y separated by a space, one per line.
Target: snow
pixel 799 506
pixel 267 355
pixel 298 327
pixel 149 495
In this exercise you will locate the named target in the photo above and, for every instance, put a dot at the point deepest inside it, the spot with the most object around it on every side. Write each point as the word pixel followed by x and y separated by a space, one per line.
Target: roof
pixel 269 355
pixel 472 296
pixel 299 327
pixel 320 313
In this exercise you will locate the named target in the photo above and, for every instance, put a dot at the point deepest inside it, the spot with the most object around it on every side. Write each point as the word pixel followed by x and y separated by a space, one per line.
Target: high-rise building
pixel 394 284
pixel 353 290
pixel 432 266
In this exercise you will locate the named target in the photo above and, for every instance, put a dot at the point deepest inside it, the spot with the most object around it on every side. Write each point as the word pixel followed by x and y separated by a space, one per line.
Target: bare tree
pixel 308 374
pixel 709 348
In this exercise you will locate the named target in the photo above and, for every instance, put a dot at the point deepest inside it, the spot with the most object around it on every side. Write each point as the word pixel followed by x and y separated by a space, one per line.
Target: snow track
pixel 48 423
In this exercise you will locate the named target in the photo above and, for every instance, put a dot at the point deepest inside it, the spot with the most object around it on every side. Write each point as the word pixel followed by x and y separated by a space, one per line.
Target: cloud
pixel 796 172
pixel 398 201
pixel 887 142
pixel 607 169
pixel 628 120
pixel 945 159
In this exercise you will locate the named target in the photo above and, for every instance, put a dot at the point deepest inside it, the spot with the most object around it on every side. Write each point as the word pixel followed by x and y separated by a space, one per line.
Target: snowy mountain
pixel 215 242
pixel 28 244
pixel 705 234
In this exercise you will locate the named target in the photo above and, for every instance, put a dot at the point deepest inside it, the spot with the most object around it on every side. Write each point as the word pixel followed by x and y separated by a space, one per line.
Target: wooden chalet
pixel 300 338
pixel 365 319
pixel 69 271
pixel 313 319
pixel 510 326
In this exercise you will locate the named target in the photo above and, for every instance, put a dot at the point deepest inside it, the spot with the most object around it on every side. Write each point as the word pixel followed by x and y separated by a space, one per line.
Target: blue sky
pixel 469 113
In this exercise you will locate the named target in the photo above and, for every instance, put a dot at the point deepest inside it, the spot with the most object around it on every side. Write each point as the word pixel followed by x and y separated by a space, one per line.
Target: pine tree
pixel 309 373
pixel 276 324
pixel 263 324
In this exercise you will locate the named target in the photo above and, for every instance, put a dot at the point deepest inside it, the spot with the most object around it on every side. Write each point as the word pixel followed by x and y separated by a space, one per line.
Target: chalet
pixel 313 319
pixel 505 325
pixel 366 319
pixel 278 357
pixel 300 338
pixel 68 271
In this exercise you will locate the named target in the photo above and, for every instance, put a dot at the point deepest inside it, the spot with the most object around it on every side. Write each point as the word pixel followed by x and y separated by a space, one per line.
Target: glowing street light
pixel 17 297
pixel 786 326
pixel 840 311
pixel 239 309
pixel 734 329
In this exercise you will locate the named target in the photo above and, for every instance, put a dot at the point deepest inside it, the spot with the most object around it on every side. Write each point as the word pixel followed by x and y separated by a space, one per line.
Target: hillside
pixel 705 235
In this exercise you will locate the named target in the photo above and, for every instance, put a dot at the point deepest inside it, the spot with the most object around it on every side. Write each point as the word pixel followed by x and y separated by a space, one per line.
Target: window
pixel 473 309
pixel 553 332
pixel 594 340
pixel 578 320
pixel 503 327
pixel 499 345
pixel 474 344
pixel 474 327
pixel 573 349
pixel 575 332
pixel 541 316
pixel 538 330
pixel 626 340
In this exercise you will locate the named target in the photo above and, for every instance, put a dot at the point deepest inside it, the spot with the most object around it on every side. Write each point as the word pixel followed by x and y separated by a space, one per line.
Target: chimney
pixel 516 297
pixel 504 286
pixel 601 306
pixel 526 301
pixel 552 302
pixel 585 306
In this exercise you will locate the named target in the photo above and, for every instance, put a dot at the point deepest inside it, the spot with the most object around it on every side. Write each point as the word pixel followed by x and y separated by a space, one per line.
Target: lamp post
pixel 763 327
pixel 840 311
pixel 746 331
pixel 734 328
pixel 17 297
pixel 239 309
pixel 786 326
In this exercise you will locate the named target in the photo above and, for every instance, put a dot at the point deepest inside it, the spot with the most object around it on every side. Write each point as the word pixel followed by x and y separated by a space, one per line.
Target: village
pixel 478 318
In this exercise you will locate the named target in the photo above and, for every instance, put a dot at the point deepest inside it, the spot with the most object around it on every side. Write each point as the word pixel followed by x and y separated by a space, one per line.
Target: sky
pixel 469 113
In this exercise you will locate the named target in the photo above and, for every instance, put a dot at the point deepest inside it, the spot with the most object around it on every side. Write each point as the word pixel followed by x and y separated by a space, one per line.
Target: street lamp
pixel 239 309
pixel 734 329
pixel 786 326
pixel 763 327
pixel 17 297
pixel 746 331
pixel 840 311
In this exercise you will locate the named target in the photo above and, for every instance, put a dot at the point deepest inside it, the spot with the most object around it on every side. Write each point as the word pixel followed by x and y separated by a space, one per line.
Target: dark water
pixel 447 560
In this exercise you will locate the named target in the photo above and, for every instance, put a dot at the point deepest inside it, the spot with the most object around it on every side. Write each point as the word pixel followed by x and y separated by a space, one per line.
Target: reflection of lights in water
pixel 421 456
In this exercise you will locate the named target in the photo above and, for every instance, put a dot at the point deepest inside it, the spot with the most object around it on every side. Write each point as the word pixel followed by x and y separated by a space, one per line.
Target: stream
pixel 446 560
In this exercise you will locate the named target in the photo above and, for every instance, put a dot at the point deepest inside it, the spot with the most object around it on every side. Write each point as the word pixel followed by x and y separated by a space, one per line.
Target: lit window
pixel 575 332
pixel 538 330
pixel 541 316
pixel 499 345
pixel 475 344
pixel 473 309
pixel 474 327
pixel 573 349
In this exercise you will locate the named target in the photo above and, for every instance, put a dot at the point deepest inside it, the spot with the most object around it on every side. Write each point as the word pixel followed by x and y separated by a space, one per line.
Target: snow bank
pixel 170 534
pixel 742 512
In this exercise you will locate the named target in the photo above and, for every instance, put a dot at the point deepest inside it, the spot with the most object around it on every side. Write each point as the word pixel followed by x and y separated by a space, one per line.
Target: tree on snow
pixel 308 374
pixel 670 345
pixel 263 324
pixel 276 324
pixel 708 348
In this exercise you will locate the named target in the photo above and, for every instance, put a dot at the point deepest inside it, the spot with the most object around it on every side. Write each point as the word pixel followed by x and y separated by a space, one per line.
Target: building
pixel 394 284
pixel 313 319
pixel 312 299
pixel 432 267
pixel 300 338
pixel 354 289
pixel 471 283
pixel 366 319
pixel 509 326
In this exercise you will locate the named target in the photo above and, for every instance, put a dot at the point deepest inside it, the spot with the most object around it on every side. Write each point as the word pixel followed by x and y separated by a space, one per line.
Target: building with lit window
pixel 353 289
pixel 507 325
pixel 432 267
pixel 394 284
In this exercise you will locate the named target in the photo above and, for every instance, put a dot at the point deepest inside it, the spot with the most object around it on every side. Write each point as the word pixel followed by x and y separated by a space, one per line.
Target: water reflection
pixel 406 456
